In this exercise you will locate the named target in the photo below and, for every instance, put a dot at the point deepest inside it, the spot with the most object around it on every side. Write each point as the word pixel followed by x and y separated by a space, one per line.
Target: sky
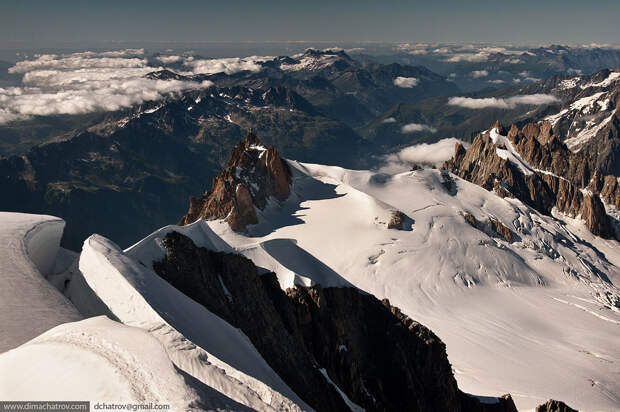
pixel 50 23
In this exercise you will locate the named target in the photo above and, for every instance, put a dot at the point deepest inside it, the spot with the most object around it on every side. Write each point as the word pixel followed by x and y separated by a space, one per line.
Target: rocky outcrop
pixel 501 229
pixel 380 358
pixel 397 220
pixel 593 212
pixel 555 406
pixel 607 187
pixel 471 219
pixel 480 164
pixel 252 175
pixel 556 177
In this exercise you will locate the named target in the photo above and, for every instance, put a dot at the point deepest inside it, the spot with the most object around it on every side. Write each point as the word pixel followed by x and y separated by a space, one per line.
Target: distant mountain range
pixel 148 159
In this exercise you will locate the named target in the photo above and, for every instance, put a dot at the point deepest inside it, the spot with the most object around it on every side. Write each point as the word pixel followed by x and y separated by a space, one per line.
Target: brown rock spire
pixel 253 173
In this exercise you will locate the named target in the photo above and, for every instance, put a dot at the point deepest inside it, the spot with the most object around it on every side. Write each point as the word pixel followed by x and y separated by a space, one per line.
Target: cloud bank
pixel 434 153
pixel 84 82
pixel 228 65
pixel 406 82
pixel 502 103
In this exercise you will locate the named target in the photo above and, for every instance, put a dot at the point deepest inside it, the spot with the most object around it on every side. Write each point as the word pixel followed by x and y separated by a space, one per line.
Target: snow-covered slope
pixel 535 317
pixel 101 360
pixel 198 342
pixel 29 304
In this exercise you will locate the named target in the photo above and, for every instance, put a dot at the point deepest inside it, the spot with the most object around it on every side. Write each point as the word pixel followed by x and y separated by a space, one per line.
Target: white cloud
pixel 406 82
pixel 169 59
pixel 468 57
pixel 75 61
pixel 84 82
pixel 497 81
pixel 417 127
pixel 389 120
pixel 502 103
pixel 476 74
pixel 228 65
pixel 434 153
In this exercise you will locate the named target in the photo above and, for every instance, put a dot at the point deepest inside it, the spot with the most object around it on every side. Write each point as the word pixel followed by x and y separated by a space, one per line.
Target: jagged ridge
pixel 252 175
pixel 556 178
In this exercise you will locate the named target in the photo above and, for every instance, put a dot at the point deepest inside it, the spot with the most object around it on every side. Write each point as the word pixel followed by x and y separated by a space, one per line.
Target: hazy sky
pixel 46 23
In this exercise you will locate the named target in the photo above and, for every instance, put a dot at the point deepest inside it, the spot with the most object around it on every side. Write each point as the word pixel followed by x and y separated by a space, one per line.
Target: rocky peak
pixel 555 176
pixel 166 74
pixel 554 406
pixel 252 175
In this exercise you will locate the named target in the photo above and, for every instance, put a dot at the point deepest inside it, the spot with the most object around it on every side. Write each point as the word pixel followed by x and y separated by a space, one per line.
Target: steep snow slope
pixel 198 342
pixel 103 361
pixel 29 304
pixel 535 317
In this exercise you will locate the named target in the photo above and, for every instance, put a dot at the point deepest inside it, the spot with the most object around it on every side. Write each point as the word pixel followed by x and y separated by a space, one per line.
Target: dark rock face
pixel 595 216
pixel 397 220
pixel 608 187
pixel 556 181
pixel 555 406
pixel 380 358
pixel 252 174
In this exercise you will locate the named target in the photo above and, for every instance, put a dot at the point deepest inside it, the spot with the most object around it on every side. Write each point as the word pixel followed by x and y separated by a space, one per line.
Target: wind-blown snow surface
pixel 29 304
pixel 103 361
pixel 533 318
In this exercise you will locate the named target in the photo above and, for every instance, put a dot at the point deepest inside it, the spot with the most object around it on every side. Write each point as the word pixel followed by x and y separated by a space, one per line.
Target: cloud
pixel 434 153
pixel 513 61
pixel 476 74
pixel 389 120
pixel 169 59
pixel 75 61
pixel 468 57
pixel 84 82
pixel 406 82
pixel 228 65
pixel 502 103
pixel 417 127
pixel 497 81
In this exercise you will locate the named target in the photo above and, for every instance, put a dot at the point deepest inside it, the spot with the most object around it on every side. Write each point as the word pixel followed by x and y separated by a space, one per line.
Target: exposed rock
pixel 397 220
pixel 608 187
pixel 481 165
pixel 502 230
pixel 229 286
pixel 593 212
pixel 556 180
pixel 448 182
pixel 469 218
pixel 252 175
pixel 555 406
pixel 305 330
